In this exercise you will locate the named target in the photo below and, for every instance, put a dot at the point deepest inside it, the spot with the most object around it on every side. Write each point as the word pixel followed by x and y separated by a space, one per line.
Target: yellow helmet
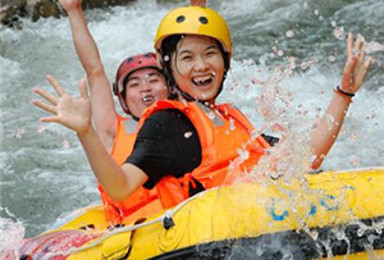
pixel 195 20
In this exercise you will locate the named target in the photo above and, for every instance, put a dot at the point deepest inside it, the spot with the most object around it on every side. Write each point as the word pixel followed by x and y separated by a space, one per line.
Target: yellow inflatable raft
pixel 337 215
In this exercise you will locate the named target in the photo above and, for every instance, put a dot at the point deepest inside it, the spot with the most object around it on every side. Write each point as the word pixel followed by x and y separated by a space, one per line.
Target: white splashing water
pixel 11 236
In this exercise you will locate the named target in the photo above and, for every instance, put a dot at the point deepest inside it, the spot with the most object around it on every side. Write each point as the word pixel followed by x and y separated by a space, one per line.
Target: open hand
pixel 356 66
pixel 71 112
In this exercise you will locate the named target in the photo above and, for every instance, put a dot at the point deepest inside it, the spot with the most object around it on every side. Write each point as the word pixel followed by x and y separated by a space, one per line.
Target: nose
pixel 201 64
pixel 145 86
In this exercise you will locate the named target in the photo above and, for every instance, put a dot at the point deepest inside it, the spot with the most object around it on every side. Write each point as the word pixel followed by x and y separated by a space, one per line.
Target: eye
pixel 133 85
pixel 186 58
pixel 211 52
pixel 153 80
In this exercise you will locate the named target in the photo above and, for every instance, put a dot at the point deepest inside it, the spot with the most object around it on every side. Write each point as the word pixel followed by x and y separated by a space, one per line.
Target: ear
pixel 159 60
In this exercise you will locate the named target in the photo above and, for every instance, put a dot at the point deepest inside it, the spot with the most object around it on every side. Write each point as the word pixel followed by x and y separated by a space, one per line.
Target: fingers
pixel 55 84
pixel 49 108
pixel 50 119
pixel 83 88
pixel 348 79
pixel 369 62
pixel 361 57
pixel 46 95
pixel 359 42
pixel 355 49
pixel 363 70
pixel 351 65
pixel 350 45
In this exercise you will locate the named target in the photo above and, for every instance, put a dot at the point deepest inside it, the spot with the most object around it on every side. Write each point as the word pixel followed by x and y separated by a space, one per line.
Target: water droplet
pixel 290 34
pixel 244 154
pixel 330 120
pixel 355 162
pixel 333 24
pixel 65 144
pixel 316 12
pixel 19 132
pixel 232 124
pixel 40 128
pixel 211 115
pixel 256 81
pixel 188 134
pixel 338 32
pixel 280 52
pixel 331 58
pixel 314 234
pixel 292 62
pixel 304 65
pixel 360 232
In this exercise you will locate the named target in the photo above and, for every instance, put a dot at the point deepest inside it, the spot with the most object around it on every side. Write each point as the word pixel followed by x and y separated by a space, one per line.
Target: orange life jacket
pixel 223 133
pixel 143 202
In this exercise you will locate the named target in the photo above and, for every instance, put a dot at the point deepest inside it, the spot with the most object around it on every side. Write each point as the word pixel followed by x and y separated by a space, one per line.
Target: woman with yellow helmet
pixel 186 146
pixel 184 30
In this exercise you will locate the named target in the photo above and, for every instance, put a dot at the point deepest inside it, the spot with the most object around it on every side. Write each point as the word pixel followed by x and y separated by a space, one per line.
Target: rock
pixel 42 8
pixel 10 10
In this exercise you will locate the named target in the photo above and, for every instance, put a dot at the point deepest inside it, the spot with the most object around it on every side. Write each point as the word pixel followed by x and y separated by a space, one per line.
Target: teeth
pixel 148 98
pixel 203 79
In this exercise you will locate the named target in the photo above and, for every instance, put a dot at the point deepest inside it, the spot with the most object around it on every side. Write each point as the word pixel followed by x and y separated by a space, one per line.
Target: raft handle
pixel 167 220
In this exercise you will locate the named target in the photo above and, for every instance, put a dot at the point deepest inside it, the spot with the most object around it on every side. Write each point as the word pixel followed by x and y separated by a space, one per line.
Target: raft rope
pixel 165 218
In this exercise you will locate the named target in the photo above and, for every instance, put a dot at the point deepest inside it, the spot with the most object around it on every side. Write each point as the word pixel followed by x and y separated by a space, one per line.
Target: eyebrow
pixel 153 74
pixel 147 75
pixel 132 78
pixel 211 47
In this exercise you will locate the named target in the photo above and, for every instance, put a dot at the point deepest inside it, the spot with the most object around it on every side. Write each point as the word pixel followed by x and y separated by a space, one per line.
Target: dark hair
pixel 168 48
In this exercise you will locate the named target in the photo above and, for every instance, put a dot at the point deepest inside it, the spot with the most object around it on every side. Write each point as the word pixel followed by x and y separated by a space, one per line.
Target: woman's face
pixel 198 67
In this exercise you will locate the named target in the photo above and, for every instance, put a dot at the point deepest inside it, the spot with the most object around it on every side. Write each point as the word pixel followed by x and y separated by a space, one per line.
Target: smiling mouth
pixel 148 100
pixel 203 81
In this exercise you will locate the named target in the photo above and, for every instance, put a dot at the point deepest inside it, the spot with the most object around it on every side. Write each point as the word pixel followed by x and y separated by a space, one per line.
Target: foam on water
pixel 11 234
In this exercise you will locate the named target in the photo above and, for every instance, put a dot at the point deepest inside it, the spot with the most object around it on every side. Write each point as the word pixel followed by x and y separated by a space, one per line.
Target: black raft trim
pixel 342 239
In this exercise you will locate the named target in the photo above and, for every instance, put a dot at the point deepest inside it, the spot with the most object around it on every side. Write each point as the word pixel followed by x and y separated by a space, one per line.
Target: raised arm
pixel 328 128
pixel 104 113
pixel 75 114
pixel 198 2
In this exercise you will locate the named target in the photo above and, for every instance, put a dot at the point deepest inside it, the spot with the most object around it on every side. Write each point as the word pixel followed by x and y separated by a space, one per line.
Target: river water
pixel 298 45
